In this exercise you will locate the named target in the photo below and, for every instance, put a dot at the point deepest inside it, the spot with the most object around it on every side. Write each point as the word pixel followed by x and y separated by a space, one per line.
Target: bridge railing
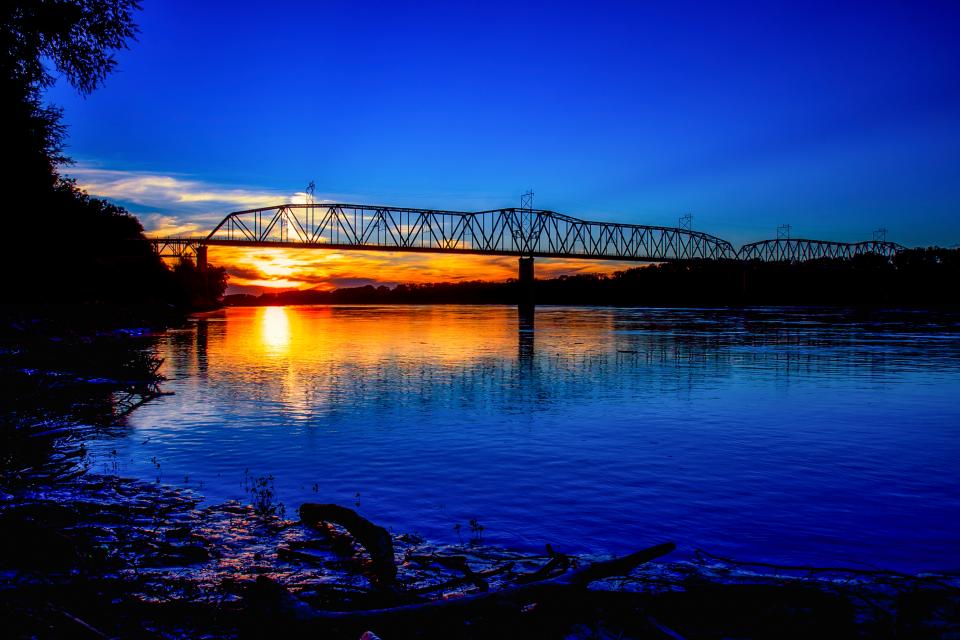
pixel 519 232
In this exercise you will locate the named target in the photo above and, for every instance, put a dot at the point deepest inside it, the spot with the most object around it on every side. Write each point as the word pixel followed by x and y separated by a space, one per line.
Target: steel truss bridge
pixel 800 250
pixel 524 233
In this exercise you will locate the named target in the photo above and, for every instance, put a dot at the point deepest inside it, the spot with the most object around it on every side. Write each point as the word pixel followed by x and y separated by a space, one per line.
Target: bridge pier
pixel 525 282
pixel 526 315
pixel 202 257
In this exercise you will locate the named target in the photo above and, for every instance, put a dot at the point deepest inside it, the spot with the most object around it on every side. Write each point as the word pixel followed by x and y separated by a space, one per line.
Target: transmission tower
pixel 311 189
pixel 526 218
pixel 526 200
pixel 880 235
pixel 783 232
pixel 686 222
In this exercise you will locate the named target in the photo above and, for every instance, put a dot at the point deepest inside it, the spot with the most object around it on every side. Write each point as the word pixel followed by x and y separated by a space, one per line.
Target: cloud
pixel 175 205
pixel 160 224
pixel 161 191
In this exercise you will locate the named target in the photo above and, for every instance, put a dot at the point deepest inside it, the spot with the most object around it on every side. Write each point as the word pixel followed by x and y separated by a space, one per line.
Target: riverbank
pixel 106 557
pixel 88 553
pixel 921 278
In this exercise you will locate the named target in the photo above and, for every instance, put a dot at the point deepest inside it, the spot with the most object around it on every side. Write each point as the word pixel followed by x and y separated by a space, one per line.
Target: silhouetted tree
pixel 199 289
pixel 65 245
pixel 79 38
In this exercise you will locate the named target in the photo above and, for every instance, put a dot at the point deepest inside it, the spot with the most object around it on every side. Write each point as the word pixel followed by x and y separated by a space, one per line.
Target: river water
pixel 784 435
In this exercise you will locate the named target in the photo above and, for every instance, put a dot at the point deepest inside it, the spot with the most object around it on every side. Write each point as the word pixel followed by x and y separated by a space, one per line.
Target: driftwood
pixel 558 563
pixel 375 539
pixel 457 563
pixel 554 582
pixel 476 578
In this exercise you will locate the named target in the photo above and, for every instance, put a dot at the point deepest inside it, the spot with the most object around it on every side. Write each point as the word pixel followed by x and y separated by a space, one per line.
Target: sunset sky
pixel 836 118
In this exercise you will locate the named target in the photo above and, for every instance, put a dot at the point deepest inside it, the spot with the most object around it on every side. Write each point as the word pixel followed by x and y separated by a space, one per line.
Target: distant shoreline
pixel 914 278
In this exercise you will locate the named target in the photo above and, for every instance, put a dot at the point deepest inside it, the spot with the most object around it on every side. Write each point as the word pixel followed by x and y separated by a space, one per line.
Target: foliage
pixel 263 495
pixel 198 289
pixel 81 249
pixel 476 529
pixel 79 38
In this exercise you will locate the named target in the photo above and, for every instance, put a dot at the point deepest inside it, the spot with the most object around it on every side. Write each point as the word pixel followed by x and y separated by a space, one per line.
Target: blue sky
pixel 836 118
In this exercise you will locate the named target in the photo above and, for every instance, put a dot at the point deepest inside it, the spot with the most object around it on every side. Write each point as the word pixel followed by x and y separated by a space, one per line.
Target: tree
pixel 71 247
pixel 80 39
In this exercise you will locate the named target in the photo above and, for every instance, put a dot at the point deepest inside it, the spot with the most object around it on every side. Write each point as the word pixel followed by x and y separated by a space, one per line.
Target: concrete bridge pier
pixel 525 282
pixel 202 257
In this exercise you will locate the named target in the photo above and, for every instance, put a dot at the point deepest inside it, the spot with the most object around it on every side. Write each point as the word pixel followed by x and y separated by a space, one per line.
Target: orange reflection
pixel 311 358
pixel 274 330
pixel 364 335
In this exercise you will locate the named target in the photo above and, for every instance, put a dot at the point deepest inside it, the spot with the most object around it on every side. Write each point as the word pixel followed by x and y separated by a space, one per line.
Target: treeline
pixel 60 244
pixel 916 277
pixel 95 252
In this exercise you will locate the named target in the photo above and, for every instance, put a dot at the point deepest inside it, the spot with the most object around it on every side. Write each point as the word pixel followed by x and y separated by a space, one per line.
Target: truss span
pixel 505 232
pixel 178 247
pixel 801 250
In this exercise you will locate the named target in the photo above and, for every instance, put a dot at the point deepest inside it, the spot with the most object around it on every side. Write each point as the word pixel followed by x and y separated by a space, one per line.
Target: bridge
pixel 801 250
pixel 524 233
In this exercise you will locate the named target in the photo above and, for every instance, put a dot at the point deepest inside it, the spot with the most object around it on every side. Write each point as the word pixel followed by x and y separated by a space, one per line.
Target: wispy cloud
pixel 158 190
pixel 173 204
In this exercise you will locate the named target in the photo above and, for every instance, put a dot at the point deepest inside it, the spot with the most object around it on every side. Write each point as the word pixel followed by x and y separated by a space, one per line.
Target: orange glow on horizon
pixel 254 269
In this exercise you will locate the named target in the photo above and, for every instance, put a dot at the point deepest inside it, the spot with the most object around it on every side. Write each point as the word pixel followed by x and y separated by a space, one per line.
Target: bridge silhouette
pixel 520 232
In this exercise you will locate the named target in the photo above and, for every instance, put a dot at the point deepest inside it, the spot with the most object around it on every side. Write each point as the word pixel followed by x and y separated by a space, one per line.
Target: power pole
pixel 311 189
pixel 526 216
pixel 526 274
pixel 526 200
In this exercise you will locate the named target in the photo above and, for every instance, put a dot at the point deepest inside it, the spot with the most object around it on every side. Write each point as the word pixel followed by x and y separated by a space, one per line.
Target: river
pixel 797 436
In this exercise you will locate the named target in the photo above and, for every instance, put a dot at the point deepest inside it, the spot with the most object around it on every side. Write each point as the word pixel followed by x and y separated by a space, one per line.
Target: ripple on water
pixel 785 435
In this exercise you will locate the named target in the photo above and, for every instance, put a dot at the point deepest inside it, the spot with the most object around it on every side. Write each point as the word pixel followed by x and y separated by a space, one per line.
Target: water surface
pixel 783 435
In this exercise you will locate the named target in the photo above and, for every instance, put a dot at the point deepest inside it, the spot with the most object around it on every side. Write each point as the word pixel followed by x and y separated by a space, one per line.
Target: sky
pixel 835 118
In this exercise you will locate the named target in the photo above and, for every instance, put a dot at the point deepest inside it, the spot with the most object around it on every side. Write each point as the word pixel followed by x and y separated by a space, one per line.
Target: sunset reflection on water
pixel 366 334
pixel 593 429
pixel 274 331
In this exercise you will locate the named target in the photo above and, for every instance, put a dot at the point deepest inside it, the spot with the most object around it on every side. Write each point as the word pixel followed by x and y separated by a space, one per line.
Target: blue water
pixel 782 435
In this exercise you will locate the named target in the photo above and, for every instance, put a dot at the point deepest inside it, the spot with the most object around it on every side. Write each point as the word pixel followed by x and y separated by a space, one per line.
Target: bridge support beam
pixel 525 282
pixel 202 257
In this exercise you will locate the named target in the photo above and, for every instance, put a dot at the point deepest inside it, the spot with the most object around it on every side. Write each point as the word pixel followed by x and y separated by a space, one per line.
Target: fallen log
pixel 557 564
pixel 375 539
pixel 267 596
pixel 472 578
